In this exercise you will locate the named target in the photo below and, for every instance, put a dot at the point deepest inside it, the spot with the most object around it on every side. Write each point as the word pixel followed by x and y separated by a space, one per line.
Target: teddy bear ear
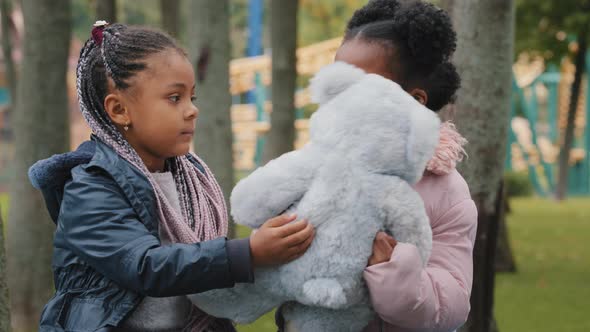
pixel 332 80
pixel 422 139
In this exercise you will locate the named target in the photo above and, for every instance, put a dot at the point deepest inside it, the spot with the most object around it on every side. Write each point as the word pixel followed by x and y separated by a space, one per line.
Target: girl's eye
pixel 174 99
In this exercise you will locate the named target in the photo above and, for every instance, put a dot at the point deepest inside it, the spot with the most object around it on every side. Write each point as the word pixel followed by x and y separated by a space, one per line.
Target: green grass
pixel 4 206
pixel 265 323
pixel 551 290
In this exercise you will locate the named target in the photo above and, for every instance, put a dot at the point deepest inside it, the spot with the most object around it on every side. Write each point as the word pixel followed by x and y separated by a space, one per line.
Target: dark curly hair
pixel 420 41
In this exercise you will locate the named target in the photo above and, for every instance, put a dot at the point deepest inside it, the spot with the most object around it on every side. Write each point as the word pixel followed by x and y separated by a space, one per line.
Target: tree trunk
pixel 448 112
pixel 169 10
pixel 41 129
pixel 4 299
pixel 568 140
pixel 481 317
pixel 485 31
pixel 447 5
pixel 504 261
pixel 210 54
pixel 281 137
pixel 9 70
pixel 106 10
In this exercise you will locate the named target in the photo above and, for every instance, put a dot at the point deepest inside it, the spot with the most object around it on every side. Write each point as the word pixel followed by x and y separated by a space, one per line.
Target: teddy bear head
pixel 370 120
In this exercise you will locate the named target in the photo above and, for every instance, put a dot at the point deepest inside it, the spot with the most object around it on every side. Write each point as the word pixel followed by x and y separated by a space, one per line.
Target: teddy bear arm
pixel 272 189
pixel 405 216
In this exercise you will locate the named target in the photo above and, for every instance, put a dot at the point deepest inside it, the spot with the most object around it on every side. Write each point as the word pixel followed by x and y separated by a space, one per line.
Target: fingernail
pixel 292 215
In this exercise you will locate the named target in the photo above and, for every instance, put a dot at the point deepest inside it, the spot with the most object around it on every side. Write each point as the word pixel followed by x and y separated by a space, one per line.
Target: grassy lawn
pixel 266 323
pixel 4 206
pixel 551 290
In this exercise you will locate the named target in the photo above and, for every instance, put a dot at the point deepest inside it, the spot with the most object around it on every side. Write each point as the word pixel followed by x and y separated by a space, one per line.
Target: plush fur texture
pixel 370 142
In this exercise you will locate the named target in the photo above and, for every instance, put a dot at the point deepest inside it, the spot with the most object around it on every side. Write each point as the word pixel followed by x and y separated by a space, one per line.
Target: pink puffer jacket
pixel 410 297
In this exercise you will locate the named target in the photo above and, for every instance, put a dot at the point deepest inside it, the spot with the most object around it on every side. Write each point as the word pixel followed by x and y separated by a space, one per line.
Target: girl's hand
pixel 383 246
pixel 279 240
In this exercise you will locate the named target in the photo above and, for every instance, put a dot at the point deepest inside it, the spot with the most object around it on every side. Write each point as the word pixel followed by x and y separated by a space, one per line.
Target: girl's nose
pixel 192 112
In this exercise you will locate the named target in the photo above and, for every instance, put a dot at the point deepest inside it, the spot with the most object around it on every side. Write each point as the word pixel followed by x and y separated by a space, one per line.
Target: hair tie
pixel 97 31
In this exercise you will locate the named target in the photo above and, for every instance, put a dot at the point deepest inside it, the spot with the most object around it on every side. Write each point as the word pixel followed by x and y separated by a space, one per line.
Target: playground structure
pixel 250 121
pixel 537 122
pixel 540 102
pixel 539 110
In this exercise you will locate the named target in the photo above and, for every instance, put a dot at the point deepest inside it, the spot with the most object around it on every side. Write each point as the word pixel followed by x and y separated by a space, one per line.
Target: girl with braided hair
pixel 411 43
pixel 141 222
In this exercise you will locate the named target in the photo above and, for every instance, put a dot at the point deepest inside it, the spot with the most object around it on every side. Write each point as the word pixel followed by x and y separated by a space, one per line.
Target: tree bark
pixel 485 31
pixel 41 129
pixel 504 261
pixel 5 10
pixel 4 299
pixel 568 139
pixel 210 54
pixel 106 10
pixel 281 137
pixel 170 10
pixel 447 5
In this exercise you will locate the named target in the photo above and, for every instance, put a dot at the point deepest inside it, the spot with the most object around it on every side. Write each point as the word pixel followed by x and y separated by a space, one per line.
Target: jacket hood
pixel 50 175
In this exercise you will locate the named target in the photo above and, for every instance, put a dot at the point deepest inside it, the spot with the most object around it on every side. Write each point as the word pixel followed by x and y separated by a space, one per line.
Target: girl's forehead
pixel 168 65
pixel 166 60
pixel 370 57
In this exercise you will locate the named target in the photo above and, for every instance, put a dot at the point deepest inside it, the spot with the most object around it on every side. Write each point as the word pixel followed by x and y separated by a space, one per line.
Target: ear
pixel 420 95
pixel 332 80
pixel 113 105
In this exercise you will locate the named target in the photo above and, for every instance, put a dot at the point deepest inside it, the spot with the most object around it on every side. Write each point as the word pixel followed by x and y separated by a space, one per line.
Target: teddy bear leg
pixel 243 304
pixel 301 318
pixel 325 292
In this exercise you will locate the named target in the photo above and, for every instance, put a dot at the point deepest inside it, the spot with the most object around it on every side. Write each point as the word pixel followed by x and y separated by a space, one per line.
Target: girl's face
pixel 159 109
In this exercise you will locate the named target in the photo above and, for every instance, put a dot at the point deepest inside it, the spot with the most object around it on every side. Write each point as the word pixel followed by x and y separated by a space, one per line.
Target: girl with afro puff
pixel 411 43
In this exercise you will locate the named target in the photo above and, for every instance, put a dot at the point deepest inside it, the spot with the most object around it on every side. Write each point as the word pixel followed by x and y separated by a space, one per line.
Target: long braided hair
pixel 118 52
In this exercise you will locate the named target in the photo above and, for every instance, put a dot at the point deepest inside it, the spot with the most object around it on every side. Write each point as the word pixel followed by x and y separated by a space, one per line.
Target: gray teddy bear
pixel 369 143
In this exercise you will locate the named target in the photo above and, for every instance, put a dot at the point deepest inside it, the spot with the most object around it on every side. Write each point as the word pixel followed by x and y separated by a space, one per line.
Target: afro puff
pixel 424 42
pixel 374 11
pixel 427 30
pixel 441 85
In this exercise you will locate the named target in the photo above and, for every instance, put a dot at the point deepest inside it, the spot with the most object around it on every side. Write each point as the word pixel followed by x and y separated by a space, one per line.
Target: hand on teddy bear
pixel 280 240
pixel 383 246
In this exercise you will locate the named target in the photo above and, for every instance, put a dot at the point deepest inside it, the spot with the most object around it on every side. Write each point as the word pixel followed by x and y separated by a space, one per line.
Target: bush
pixel 517 184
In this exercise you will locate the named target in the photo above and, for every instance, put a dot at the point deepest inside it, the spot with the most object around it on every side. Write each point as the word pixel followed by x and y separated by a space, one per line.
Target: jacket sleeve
pixel 435 297
pixel 99 225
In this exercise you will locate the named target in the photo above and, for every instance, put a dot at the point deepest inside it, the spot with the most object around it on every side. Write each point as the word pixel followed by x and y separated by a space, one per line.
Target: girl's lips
pixel 188 132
